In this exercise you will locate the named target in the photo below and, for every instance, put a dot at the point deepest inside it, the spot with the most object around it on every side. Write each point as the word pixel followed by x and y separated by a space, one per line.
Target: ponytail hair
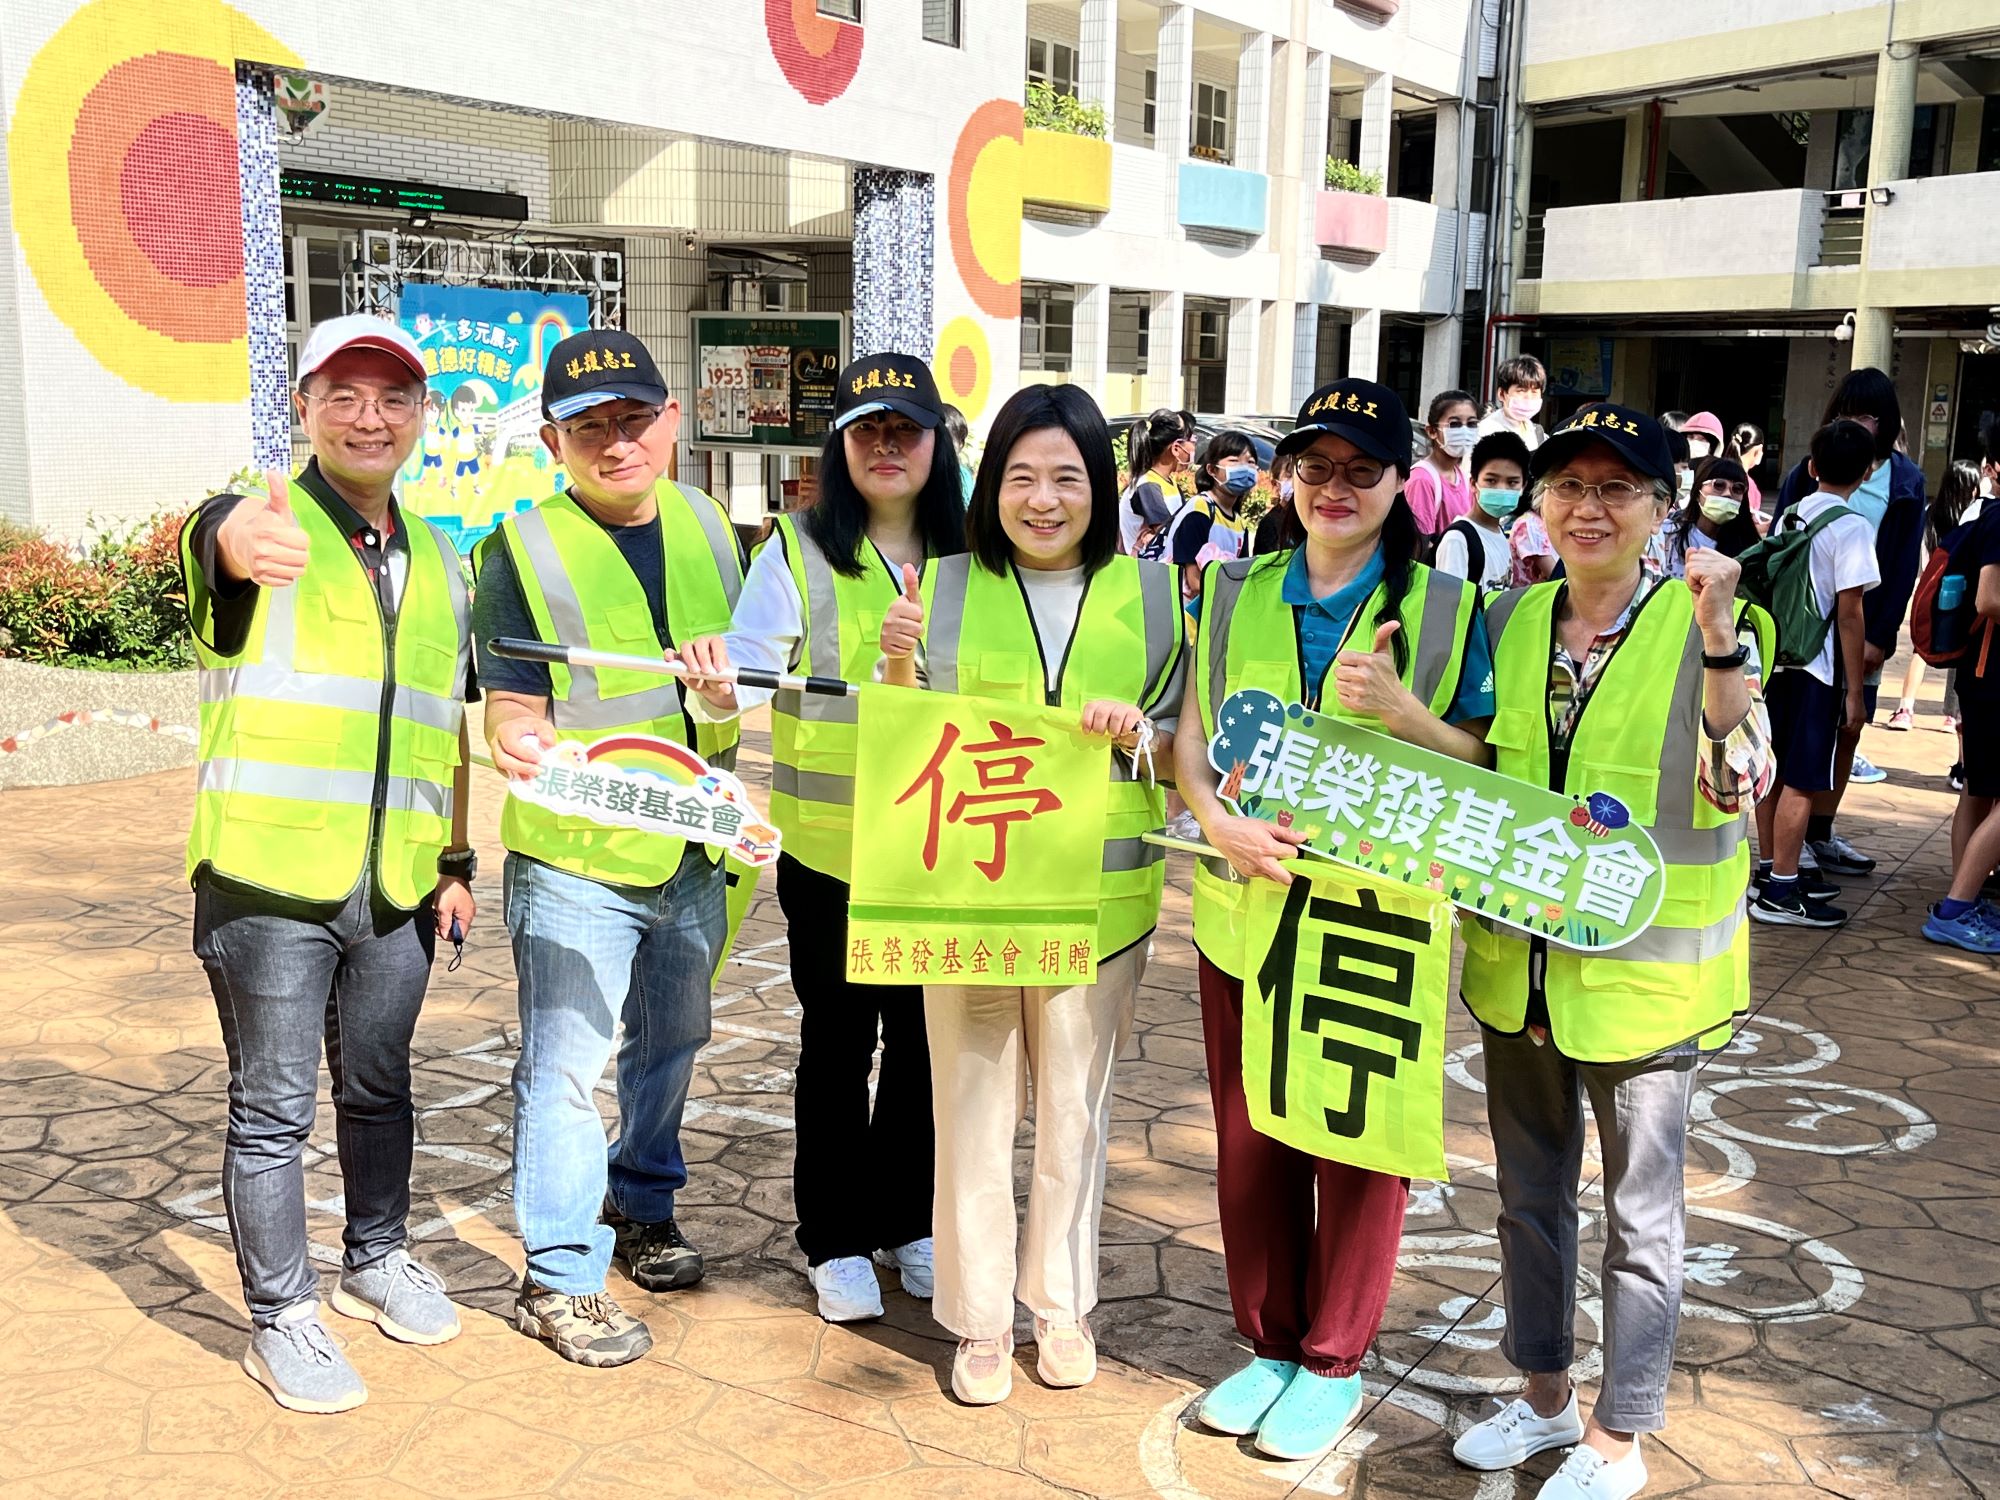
pixel 1152 437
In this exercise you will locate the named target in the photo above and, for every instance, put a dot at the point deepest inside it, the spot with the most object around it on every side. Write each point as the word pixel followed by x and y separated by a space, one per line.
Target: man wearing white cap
pixel 328 850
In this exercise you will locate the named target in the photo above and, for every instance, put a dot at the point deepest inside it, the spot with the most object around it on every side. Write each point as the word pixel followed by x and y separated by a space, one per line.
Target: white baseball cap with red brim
pixel 359 331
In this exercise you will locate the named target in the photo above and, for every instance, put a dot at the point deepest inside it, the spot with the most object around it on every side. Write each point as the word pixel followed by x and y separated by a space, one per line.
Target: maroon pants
pixel 1309 1245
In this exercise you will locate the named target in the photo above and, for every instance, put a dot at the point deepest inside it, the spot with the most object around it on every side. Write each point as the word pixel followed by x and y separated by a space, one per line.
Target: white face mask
pixel 1524 408
pixel 1700 448
pixel 1459 441
pixel 1684 484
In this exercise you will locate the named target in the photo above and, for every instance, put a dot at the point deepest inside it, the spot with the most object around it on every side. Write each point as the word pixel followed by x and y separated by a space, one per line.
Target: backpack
pixel 1150 544
pixel 1942 635
pixel 1777 574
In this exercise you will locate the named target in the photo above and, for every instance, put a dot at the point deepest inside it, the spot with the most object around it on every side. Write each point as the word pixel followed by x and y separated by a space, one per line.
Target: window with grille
pixel 1048 326
pixel 841 10
pixel 1211 122
pixel 1152 100
pixel 941 22
pixel 1052 63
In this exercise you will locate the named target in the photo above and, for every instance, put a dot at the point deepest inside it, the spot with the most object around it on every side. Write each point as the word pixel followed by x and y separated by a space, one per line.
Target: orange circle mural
pixel 819 56
pixel 123 166
pixel 963 365
pixel 983 202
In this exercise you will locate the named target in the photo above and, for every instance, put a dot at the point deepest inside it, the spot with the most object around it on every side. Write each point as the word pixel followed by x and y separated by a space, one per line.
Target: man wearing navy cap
pixel 610 925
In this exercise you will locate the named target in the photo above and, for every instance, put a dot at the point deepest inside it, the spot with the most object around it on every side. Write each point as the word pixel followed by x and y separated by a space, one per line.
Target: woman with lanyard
pixel 1044 587
pixel 1616 681
pixel 1346 622
pixel 814 601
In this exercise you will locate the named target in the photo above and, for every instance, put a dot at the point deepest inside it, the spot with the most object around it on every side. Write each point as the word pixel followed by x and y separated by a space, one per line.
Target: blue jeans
pixel 588 956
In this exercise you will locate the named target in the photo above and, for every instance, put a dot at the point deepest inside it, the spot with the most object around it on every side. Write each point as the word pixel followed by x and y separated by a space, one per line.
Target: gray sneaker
pixel 593 1331
pixel 403 1299
pixel 296 1360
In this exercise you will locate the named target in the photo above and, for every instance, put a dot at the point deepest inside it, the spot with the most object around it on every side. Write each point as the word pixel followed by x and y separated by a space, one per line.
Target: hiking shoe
pixel 297 1361
pixel 916 1264
pixel 1835 856
pixel 1902 718
pixel 403 1299
pixel 593 1331
pixel 848 1291
pixel 1796 912
pixel 1313 1414
pixel 1514 1434
pixel 1588 1475
pixel 1865 772
pixel 1973 930
pixel 1239 1404
pixel 982 1372
pixel 1065 1353
pixel 657 1257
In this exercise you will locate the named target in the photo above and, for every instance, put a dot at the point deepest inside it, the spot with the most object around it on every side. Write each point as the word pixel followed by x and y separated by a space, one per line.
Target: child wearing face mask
pixel 1437 489
pixel 1475 546
pixel 1703 432
pixel 1211 528
pixel 1719 517
pixel 1518 387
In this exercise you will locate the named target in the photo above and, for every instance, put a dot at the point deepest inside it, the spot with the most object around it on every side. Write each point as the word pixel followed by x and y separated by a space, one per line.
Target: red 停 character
pixel 1003 798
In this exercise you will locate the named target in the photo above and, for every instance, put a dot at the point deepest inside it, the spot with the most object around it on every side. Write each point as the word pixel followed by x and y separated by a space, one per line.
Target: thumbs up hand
pixel 1368 682
pixel 903 626
pixel 262 542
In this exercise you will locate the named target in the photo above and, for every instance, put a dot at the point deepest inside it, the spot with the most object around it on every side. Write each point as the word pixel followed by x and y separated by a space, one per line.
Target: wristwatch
pixel 460 863
pixel 1734 658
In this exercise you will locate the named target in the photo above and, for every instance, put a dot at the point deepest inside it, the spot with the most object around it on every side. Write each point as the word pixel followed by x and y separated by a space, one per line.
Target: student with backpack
pixel 1811 573
pixel 1475 545
pixel 1956 503
pixel 1157 449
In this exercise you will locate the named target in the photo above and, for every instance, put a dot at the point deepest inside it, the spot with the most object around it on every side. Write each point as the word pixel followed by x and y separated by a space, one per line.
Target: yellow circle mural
pixel 964 366
pixel 983 207
pixel 123 167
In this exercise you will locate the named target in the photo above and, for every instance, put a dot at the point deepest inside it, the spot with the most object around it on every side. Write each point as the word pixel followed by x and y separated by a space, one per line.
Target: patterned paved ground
pixel 1843 1329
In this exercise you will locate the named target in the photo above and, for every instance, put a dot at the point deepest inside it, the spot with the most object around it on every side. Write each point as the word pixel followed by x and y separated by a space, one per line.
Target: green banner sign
pixel 765 380
pixel 1577 873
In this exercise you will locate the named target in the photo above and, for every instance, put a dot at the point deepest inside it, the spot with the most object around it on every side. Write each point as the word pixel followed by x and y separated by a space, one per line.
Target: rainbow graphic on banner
pixel 656 786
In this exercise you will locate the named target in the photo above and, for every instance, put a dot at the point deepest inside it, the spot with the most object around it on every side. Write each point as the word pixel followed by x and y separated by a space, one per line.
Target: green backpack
pixel 1777 574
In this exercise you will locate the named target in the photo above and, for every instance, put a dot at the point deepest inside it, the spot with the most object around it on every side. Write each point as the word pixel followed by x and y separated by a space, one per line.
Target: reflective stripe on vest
pixel 1245 620
pixel 1689 972
pixel 580 592
pixel 980 638
pixel 285 790
pixel 814 736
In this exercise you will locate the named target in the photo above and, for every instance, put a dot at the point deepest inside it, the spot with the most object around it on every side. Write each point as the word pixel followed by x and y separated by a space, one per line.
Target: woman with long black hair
pixel 889 506
pixel 1719 515
pixel 1345 621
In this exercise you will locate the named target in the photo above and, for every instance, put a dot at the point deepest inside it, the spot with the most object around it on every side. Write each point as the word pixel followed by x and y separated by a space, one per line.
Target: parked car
pixel 1263 437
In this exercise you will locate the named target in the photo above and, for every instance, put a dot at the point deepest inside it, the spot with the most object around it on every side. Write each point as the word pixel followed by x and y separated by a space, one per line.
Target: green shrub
pixel 1344 177
pixel 1048 110
pixel 117 603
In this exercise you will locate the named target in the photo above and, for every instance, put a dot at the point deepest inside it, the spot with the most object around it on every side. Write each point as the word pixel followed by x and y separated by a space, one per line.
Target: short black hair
pixel 1031 409
pixel 1522 369
pixel 1444 401
pixel 1867 392
pixel 1842 452
pixel 1677 444
pixel 1228 443
pixel 956 425
pixel 1673 421
pixel 1501 445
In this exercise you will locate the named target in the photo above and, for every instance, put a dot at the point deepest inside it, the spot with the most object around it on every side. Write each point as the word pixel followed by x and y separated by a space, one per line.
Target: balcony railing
pixel 1841 231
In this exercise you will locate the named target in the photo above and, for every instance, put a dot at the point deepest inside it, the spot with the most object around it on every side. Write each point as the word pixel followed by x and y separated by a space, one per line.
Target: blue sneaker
pixel 1313 1414
pixel 1865 772
pixel 1239 1404
pixel 1973 930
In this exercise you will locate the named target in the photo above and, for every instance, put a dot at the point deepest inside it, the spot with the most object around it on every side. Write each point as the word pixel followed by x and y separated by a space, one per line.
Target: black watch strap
pixel 463 863
pixel 1735 658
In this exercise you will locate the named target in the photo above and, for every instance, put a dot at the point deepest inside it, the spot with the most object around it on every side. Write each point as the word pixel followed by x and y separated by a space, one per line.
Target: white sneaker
pixel 1514 1434
pixel 1588 1475
pixel 848 1291
pixel 914 1262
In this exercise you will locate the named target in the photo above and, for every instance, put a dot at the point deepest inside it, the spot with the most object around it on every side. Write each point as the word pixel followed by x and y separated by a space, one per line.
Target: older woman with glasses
pixel 1613 680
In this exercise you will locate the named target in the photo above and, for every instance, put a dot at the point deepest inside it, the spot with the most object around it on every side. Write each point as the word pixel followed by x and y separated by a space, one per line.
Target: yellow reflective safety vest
pixel 321 702
pixel 813 736
pixel 580 592
pixel 1248 637
pixel 1754 624
pixel 1639 737
pixel 980 639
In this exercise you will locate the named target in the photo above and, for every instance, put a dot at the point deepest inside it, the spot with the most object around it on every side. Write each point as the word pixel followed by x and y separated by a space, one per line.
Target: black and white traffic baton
pixel 519 649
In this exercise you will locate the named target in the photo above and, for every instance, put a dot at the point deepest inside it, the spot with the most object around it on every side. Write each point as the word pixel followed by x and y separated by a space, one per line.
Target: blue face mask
pixel 1499 504
pixel 1872 499
pixel 1239 481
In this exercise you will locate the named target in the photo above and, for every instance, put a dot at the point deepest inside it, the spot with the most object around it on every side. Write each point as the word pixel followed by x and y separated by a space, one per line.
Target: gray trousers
pixel 1534 1103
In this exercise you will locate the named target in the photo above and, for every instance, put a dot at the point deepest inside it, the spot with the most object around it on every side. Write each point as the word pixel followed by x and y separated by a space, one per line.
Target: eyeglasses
pixel 1360 473
pixel 595 432
pixel 1613 494
pixel 395 408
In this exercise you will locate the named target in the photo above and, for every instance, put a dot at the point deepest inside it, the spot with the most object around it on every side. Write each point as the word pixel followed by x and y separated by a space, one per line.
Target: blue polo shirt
pixel 1323 623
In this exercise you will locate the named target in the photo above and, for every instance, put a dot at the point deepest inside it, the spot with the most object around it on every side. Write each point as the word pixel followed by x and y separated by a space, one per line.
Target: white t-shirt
pixel 1843 557
pixel 1055 597
pixel 1497 420
pixel 1496 563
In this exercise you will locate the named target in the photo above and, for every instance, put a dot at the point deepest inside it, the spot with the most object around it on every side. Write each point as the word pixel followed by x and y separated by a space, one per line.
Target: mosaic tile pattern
pixel 894 215
pixel 263 268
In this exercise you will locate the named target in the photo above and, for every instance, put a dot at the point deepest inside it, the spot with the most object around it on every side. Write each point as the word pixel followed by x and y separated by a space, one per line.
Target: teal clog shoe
pixel 1239 1403
pixel 1312 1415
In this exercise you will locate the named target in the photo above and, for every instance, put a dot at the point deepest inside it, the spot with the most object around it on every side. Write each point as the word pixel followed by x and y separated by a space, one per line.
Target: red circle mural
pixel 819 56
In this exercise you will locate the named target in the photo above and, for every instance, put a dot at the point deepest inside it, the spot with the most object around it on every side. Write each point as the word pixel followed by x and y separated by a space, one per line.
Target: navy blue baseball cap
pixel 598 365
pixel 1365 412
pixel 1634 436
pixel 900 383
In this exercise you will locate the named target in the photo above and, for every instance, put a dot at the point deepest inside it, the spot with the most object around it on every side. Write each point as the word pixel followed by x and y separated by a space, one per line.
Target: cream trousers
pixel 987 1046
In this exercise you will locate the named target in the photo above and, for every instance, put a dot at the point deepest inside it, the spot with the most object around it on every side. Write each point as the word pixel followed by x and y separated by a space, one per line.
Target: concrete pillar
pixel 263 269
pixel 1967 119
pixel 1377 99
pixel 1442 342
pixel 894 241
pixel 1822 141
pixel 1305 353
pixel 1164 333
pixel 1888 161
pixel 1174 105
pixel 1364 344
pixel 1318 133
pixel 1632 170
pixel 1097 55
pixel 1090 358
pixel 1240 386
pixel 1445 164
pixel 1253 103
